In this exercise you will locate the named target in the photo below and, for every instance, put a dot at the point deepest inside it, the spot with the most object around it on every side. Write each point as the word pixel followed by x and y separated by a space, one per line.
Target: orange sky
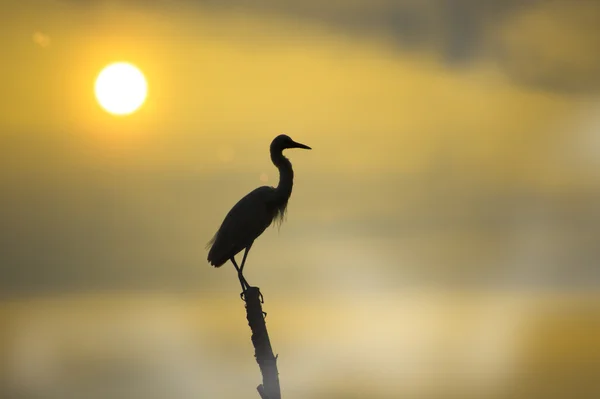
pixel 404 141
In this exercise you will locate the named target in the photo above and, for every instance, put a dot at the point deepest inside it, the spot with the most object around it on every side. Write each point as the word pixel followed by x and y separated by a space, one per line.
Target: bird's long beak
pixel 299 145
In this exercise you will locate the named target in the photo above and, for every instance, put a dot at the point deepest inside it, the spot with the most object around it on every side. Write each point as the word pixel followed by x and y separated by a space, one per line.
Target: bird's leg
pixel 245 254
pixel 243 281
pixel 235 265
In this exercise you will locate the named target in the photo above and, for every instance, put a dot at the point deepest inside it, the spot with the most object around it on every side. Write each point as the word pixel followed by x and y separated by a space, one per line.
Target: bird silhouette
pixel 250 217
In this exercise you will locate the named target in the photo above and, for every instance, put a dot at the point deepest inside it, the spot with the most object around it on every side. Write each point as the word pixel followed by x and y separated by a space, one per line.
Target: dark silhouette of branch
pixel 263 352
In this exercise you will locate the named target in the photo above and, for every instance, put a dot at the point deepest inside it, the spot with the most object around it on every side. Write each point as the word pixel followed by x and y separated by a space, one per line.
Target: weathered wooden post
pixel 267 362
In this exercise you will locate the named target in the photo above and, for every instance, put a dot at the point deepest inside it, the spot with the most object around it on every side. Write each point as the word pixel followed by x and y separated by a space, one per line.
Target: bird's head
pixel 283 141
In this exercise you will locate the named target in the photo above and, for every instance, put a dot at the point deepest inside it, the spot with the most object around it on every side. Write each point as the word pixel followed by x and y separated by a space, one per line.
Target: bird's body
pixel 251 216
pixel 244 223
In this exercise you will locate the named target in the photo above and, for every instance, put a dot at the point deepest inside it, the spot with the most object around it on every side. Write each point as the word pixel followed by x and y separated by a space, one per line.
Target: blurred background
pixel 442 240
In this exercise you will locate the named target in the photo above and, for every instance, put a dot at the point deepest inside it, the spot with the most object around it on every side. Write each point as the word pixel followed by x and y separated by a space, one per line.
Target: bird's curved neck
pixel 286 175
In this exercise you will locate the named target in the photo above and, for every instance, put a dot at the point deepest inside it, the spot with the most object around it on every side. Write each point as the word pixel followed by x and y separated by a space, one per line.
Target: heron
pixel 251 216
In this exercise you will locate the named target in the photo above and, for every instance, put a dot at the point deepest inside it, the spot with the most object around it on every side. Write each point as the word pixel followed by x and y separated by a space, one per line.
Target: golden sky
pixel 453 146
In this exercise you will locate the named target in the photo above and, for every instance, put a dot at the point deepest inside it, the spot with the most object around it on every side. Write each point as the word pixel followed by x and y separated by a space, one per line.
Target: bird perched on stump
pixel 255 212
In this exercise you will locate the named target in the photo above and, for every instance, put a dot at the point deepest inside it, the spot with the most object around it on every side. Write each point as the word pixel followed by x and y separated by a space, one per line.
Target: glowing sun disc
pixel 121 88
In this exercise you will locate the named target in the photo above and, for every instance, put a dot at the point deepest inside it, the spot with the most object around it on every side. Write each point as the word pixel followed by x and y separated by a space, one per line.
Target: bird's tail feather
pixel 214 258
pixel 210 243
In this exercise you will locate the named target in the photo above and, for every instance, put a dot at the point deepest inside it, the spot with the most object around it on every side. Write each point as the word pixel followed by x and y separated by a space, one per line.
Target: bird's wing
pixel 242 225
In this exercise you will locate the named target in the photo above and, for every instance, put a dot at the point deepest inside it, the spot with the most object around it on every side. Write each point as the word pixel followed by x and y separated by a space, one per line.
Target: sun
pixel 121 88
